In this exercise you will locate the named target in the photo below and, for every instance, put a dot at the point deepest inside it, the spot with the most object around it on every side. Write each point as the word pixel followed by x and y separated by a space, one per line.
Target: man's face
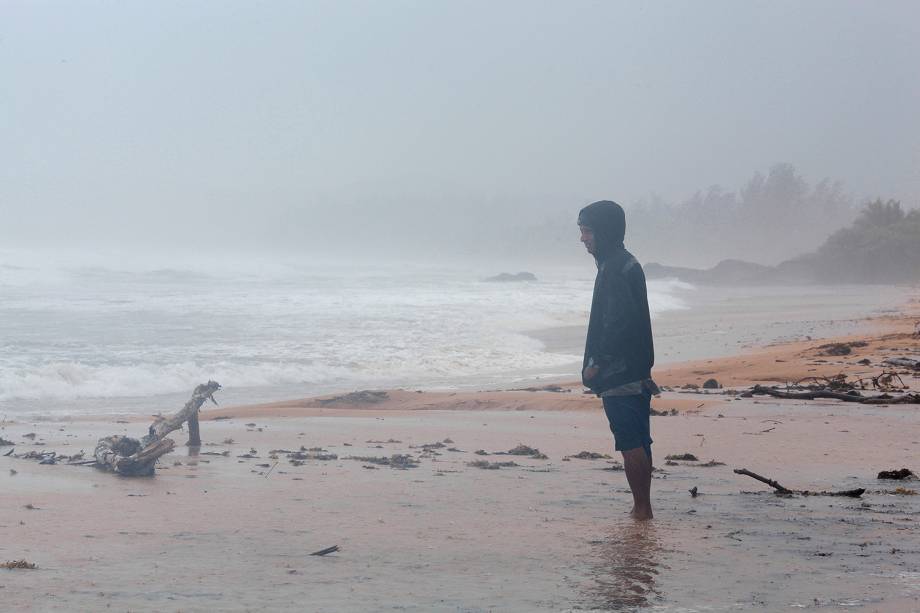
pixel 587 237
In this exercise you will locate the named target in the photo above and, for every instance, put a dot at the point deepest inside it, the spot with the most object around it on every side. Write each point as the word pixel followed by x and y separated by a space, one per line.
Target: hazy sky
pixel 155 120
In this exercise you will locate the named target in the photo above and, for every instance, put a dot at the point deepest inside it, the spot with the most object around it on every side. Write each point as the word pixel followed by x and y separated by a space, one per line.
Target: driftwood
pixel 852 396
pixel 783 491
pixel 134 458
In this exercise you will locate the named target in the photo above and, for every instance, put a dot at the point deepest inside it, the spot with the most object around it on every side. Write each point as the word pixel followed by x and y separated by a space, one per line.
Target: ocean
pixel 84 333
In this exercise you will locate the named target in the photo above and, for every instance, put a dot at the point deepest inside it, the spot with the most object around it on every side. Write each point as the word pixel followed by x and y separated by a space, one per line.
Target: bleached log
pixel 131 457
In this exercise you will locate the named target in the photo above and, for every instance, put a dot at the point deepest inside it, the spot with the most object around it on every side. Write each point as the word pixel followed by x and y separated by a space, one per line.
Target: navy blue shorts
pixel 629 421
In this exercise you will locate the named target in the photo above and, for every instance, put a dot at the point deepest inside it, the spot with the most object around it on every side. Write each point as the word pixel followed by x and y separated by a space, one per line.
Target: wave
pixel 94 332
pixel 72 380
pixel 663 296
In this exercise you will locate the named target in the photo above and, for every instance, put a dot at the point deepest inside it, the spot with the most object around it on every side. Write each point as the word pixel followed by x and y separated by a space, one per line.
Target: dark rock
pixel 839 349
pixel 711 384
pixel 507 277
pixel 898 474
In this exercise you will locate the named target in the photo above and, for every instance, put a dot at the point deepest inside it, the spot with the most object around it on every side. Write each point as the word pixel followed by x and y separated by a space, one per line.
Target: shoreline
pixel 889 335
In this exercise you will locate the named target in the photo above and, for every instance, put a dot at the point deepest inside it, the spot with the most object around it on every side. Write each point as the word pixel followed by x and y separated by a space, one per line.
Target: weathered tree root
pixel 760 390
pixel 137 458
pixel 782 491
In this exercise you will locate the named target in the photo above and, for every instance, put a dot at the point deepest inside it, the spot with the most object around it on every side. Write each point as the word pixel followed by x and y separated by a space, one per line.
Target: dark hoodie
pixel 619 338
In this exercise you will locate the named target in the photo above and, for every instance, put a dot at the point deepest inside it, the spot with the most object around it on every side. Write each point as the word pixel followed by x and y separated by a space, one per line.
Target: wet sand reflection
pixel 624 567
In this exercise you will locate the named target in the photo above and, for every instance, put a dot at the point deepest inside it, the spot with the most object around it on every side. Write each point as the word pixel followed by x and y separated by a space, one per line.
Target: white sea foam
pixel 72 329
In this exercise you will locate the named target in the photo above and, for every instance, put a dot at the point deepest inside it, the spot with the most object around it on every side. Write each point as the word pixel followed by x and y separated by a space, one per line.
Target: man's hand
pixel 590 372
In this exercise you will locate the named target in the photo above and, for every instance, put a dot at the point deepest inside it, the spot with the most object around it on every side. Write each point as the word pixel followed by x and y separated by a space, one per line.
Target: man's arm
pixel 618 310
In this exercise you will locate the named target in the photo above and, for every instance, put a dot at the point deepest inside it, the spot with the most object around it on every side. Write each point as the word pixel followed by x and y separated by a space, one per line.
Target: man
pixel 618 350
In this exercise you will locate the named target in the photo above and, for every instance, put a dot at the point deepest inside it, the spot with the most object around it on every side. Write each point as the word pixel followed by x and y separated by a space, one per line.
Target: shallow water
pixel 214 532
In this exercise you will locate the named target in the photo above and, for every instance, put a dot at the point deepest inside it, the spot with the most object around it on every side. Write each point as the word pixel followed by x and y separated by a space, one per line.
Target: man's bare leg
pixel 638 467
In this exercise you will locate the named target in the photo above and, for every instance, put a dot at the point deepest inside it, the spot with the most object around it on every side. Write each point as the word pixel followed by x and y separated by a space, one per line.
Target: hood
pixel 607 221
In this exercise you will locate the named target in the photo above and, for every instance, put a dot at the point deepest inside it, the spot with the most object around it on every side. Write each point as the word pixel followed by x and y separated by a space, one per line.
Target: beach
pixel 230 526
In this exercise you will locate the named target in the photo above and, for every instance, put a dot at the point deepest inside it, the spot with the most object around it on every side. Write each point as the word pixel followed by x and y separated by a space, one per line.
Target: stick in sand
pixel 782 491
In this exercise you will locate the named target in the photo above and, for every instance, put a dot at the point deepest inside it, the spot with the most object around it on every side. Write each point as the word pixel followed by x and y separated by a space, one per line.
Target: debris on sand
pixel 662 413
pixel 524 450
pixel 711 463
pixel 589 455
pixel 326 551
pixel 485 464
pixel 397 460
pixel 52 457
pixel 545 388
pixel 903 491
pixel 787 493
pixel 520 450
pixel 839 389
pixel 841 348
pixel 903 362
pixel 898 474
pixel 429 446
pixel 297 458
pixel 4 442
pixel 360 397
pixel 19 564
pixel 685 457
pixel 694 492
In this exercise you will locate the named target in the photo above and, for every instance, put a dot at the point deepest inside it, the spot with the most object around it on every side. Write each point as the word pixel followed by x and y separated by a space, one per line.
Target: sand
pixel 224 532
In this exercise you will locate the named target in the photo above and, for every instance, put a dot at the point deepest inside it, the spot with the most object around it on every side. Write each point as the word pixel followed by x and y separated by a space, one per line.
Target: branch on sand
pixel 136 458
pixel 850 396
pixel 783 491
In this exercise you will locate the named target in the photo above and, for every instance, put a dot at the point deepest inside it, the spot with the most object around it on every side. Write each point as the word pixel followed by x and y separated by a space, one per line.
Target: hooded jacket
pixel 619 341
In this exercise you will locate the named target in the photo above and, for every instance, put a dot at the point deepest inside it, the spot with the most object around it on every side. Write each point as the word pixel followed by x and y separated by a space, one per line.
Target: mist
pixel 430 131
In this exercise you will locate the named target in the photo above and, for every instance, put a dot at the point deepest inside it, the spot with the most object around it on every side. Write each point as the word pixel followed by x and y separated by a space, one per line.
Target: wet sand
pixel 224 532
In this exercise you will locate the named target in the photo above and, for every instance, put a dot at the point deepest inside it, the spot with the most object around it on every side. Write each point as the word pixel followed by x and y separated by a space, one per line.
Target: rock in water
pixel 507 277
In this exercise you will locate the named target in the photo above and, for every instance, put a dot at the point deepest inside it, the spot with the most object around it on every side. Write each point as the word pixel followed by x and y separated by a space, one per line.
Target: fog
pixel 474 130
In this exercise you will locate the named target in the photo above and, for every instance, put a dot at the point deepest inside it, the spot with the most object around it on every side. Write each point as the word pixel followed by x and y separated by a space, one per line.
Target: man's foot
pixel 641 515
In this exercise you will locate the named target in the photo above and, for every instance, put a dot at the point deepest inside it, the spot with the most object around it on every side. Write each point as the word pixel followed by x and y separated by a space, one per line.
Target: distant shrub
pixel 881 246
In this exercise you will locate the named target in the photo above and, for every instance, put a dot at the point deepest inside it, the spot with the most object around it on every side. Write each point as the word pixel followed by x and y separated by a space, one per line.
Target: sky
pixel 321 123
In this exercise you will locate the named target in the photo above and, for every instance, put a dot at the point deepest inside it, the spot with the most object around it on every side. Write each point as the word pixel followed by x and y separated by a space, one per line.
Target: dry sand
pixel 225 532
